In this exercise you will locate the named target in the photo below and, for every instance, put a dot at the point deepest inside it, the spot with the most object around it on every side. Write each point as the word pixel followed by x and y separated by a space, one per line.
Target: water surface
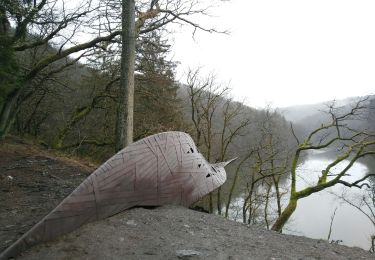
pixel 312 217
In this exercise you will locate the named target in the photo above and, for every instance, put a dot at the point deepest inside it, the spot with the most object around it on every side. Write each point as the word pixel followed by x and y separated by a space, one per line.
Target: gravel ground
pixel 173 232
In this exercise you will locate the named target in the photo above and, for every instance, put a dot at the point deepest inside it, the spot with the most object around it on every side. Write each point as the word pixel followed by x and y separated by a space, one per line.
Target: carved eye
pixel 199 165
pixel 208 175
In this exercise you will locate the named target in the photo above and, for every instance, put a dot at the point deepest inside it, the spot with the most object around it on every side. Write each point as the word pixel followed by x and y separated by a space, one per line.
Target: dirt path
pixel 32 183
pixel 172 232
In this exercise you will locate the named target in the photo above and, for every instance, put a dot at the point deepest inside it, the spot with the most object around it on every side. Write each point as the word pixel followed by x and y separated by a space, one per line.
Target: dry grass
pixel 16 145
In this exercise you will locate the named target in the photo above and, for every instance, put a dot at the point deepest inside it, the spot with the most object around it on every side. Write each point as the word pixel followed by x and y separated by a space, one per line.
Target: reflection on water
pixel 313 214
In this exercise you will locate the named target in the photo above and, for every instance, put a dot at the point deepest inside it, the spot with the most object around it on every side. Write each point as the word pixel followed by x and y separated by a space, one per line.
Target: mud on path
pixel 32 183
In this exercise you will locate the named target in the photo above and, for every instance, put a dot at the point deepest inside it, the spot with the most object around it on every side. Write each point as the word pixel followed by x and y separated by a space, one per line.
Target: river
pixel 312 217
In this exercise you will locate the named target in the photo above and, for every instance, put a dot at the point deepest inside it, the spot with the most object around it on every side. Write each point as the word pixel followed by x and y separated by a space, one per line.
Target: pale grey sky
pixel 286 52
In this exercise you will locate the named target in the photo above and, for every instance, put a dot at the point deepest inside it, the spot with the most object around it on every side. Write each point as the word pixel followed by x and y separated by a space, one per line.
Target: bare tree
pixel 217 120
pixel 261 167
pixel 61 27
pixel 151 15
pixel 350 145
pixel 205 98
pixel 331 224
pixel 234 124
pixel 81 112
pixel 256 197
pixel 266 164
pixel 37 24
pixel 235 181
pixel 364 203
pixel 156 104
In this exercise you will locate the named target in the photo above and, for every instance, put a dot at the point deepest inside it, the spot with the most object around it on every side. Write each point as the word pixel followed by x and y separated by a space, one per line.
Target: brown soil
pixel 33 181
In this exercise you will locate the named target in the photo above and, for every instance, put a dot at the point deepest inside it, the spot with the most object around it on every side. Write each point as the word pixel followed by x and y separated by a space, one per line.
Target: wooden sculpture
pixel 161 169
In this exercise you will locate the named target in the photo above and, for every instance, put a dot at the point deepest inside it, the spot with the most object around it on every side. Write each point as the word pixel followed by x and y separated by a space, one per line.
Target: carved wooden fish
pixel 161 169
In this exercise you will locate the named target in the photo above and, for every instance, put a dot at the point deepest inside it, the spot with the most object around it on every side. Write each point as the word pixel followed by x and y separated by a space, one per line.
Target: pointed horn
pixel 223 164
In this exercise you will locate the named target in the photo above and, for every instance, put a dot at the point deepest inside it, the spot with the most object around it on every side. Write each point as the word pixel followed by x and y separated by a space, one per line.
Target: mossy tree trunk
pixel 285 215
pixel 355 144
pixel 78 115
pixel 82 112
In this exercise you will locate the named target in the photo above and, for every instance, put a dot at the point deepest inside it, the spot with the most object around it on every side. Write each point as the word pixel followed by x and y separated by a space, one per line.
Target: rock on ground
pixel 173 232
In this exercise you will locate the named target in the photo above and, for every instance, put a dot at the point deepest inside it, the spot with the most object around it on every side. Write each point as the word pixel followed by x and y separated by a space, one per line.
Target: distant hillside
pixel 310 116
pixel 300 113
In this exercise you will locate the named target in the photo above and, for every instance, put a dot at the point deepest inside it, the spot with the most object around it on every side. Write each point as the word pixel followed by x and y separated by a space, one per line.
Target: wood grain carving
pixel 161 169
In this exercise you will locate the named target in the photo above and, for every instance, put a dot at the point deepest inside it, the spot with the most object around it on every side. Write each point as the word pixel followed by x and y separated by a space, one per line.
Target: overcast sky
pixel 287 52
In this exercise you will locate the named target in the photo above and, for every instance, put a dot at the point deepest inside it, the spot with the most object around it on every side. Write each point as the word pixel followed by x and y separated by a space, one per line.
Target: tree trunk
pixel 278 195
pixel 125 108
pixel 231 191
pixel 210 203
pixel 244 211
pixel 247 204
pixel 219 201
pixel 266 205
pixel 285 215
pixel 79 114
pixel 6 115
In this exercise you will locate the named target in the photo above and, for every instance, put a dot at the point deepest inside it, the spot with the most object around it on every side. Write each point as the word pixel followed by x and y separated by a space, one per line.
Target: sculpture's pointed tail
pixel 47 229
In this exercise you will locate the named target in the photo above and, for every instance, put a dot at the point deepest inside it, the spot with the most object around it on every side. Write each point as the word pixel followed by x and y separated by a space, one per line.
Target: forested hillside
pixel 75 111
pixel 67 95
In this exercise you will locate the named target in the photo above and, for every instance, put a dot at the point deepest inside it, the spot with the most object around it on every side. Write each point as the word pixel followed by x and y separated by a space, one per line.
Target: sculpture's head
pixel 171 162
pixel 207 176
pixel 216 174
